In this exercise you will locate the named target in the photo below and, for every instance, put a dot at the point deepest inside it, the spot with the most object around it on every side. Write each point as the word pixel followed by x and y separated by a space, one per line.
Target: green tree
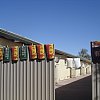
pixel 84 53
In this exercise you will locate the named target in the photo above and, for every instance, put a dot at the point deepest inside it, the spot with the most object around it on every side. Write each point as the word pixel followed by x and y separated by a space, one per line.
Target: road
pixel 78 90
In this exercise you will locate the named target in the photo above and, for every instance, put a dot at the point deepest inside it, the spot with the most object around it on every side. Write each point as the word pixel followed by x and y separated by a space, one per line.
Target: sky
pixel 69 24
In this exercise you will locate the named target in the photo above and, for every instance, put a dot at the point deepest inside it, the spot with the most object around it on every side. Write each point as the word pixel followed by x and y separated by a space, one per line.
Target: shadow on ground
pixel 79 90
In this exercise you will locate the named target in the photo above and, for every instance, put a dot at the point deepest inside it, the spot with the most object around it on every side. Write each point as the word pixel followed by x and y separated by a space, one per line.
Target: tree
pixel 84 53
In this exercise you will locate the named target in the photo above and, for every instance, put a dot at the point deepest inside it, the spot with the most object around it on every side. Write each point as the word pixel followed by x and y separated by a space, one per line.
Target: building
pixel 64 69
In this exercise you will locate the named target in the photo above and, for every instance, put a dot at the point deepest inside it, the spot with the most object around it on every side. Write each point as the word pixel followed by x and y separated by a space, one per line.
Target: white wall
pixel 72 68
pixel 78 72
pixel 61 71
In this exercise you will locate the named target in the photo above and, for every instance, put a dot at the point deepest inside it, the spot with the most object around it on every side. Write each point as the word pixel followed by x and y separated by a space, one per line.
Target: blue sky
pixel 69 24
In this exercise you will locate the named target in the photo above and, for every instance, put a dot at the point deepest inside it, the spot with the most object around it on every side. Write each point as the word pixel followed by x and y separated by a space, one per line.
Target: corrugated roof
pixel 16 37
pixel 65 54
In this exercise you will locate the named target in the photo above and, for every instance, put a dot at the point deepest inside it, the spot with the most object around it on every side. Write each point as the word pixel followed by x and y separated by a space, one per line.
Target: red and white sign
pixel 32 52
pixel 14 51
pixel 50 51
pixel 40 51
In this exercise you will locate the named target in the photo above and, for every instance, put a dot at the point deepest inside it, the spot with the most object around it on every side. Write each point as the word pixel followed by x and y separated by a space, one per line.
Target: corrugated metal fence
pixel 95 53
pixel 27 80
pixel 95 81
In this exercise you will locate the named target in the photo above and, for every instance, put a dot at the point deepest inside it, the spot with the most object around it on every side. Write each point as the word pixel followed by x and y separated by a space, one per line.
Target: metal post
pixel 98 81
pixel 93 82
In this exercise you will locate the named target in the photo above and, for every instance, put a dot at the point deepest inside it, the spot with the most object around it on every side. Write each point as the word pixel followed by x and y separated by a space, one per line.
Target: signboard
pixel 14 51
pixel 95 52
pixel 23 53
pixel 32 52
pixel 40 52
pixel 50 51
pixel 6 54
pixel 1 53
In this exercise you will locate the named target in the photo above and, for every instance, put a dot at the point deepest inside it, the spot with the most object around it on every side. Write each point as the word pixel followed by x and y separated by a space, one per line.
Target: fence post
pixel 94 72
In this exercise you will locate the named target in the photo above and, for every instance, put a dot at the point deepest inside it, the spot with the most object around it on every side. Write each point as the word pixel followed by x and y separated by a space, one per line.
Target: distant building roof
pixel 17 38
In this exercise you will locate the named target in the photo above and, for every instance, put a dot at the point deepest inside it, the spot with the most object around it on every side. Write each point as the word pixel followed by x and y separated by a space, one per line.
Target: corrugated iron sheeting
pixel 27 80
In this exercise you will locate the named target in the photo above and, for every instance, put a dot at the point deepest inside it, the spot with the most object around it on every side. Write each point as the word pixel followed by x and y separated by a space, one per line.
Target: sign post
pixel 95 53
